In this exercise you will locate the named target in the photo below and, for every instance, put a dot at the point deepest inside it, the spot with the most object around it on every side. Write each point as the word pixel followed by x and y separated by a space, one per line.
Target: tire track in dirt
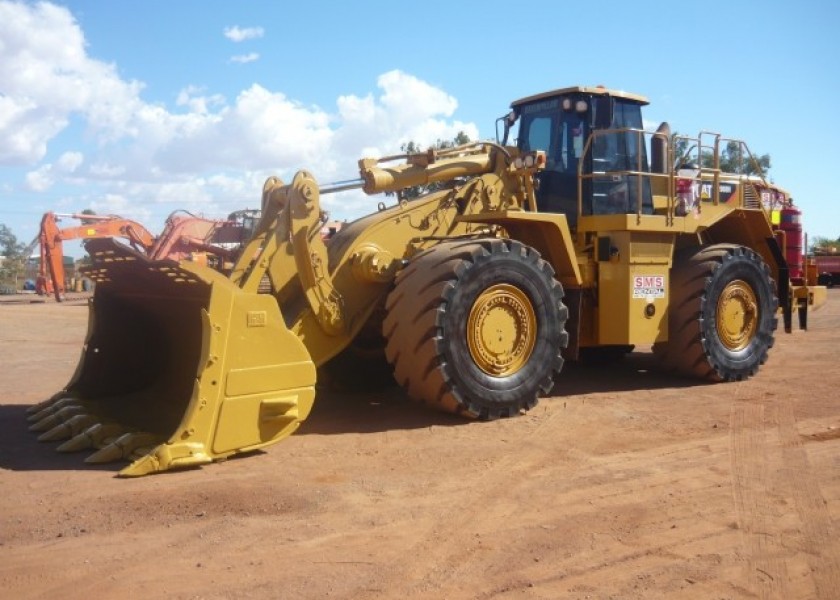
pixel 767 570
pixel 442 544
pixel 756 430
pixel 820 534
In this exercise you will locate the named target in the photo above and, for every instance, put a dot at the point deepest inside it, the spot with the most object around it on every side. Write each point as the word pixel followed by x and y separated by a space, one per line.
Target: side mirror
pixel 508 120
pixel 501 139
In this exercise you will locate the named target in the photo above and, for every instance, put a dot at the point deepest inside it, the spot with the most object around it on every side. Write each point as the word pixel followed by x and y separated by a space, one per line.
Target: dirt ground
pixel 626 484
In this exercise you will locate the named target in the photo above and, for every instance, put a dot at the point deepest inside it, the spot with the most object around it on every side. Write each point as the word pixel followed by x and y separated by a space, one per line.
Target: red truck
pixel 828 269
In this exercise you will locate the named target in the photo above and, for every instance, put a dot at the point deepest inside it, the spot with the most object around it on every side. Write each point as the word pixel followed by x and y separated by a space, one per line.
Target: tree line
pixel 13 256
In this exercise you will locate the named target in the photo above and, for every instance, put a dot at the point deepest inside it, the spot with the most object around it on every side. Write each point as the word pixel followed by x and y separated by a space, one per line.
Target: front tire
pixel 476 328
pixel 722 314
pixel 361 366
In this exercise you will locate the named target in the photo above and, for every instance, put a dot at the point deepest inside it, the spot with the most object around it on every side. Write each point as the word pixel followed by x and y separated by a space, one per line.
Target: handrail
pixel 697 145
pixel 640 172
pixel 707 148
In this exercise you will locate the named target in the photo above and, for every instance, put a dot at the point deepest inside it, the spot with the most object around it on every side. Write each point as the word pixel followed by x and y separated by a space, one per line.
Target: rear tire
pixel 722 314
pixel 476 328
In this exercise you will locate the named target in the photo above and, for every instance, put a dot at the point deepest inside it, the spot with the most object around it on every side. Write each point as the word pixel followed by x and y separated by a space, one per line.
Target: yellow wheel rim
pixel 501 330
pixel 737 315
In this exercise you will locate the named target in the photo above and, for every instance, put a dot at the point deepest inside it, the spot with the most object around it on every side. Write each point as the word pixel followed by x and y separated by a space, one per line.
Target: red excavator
pixel 215 243
pixel 51 278
pixel 212 242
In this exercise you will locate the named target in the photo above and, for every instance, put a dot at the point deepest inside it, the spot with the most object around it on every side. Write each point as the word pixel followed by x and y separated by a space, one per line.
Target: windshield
pixel 559 133
pixel 560 126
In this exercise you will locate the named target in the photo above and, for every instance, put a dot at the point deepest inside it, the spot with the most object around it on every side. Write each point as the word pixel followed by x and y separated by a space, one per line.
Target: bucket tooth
pixel 35 408
pixel 66 430
pixel 61 416
pixel 95 436
pixel 52 407
pixel 125 447
pixel 31 410
pixel 76 443
pixel 109 453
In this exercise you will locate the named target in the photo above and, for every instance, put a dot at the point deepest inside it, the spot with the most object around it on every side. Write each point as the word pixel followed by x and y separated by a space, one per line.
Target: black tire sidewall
pixel 750 269
pixel 473 385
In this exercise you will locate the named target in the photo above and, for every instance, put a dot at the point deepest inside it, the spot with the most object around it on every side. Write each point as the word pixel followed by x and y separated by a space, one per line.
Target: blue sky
pixel 142 108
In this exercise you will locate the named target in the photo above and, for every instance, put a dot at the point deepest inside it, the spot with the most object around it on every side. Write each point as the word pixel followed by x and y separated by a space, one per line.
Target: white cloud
pixel 244 58
pixel 124 206
pixel 192 97
pixel 43 178
pixel 25 128
pixel 69 162
pixel 240 34
pixel 407 109
pixel 206 153
pixel 105 170
pixel 40 180
pixel 46 76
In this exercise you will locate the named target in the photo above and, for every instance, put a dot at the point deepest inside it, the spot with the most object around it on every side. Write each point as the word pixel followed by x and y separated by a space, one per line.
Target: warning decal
pixel 649 286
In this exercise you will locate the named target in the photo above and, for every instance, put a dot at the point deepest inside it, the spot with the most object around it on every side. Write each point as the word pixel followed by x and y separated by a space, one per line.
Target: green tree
pixel 87 211
pixel 733 157
pixel 411 147
pixel 823 245
pixel 11 251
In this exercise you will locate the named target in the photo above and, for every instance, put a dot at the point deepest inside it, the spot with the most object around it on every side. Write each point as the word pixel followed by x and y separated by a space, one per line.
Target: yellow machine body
pixel 475 293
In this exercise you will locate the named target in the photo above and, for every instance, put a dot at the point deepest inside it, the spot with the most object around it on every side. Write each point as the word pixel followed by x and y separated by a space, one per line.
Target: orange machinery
pixel 213 242
pixel 51 278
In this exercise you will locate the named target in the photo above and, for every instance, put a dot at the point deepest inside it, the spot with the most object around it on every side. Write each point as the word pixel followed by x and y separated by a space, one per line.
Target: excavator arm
pixel 51 271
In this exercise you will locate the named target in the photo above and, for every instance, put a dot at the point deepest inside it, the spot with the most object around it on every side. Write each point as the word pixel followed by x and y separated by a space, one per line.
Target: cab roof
pixel 595 91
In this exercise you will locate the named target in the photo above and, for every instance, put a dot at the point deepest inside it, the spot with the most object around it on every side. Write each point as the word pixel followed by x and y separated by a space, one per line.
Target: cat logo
pixel 726 191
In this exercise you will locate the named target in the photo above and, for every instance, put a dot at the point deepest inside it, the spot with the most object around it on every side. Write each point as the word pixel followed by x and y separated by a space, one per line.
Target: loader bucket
pixel 180 367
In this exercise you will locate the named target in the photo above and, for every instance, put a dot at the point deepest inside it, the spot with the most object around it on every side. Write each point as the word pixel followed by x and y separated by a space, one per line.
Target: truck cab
pixel 595 163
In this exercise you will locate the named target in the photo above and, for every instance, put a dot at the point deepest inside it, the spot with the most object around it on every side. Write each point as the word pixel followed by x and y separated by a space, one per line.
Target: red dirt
pixel 626 484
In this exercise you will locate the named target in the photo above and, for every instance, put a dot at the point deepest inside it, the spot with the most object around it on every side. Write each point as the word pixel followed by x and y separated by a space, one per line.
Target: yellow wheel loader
pixel 583 237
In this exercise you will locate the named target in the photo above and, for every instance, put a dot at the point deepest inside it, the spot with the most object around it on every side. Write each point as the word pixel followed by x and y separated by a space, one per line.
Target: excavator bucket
pixel 180 367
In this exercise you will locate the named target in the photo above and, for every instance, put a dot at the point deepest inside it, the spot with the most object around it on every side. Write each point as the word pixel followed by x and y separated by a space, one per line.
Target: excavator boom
pixel 51 237
pixel 185 236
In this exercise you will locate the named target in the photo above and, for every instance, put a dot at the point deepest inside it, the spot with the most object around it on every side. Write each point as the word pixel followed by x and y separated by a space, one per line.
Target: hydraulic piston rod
pixel 341 186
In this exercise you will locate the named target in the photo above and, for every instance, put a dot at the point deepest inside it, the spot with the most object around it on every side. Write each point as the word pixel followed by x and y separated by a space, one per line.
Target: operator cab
pixel 560 123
